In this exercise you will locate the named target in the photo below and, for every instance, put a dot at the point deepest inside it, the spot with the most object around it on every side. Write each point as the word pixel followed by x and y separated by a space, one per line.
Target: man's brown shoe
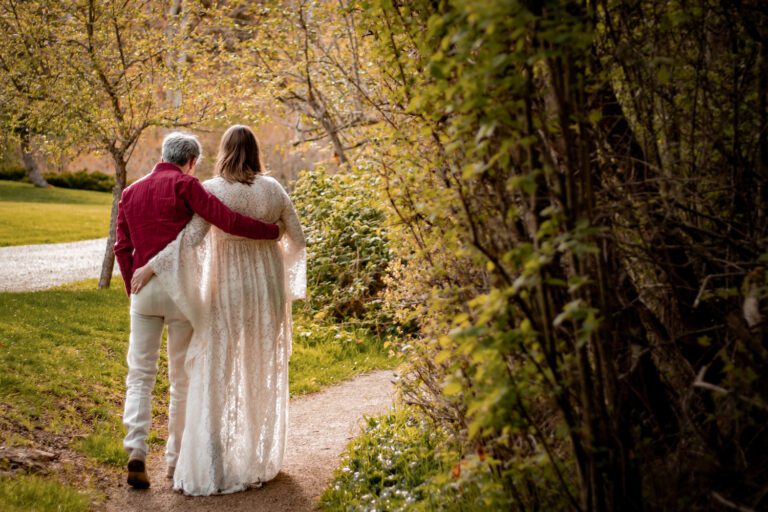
pixel 137 474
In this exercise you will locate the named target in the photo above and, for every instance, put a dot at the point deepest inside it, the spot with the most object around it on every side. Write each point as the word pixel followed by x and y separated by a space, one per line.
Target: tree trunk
pixel 108 264
pixel 33 171
pixel 176 61
pixel 333 133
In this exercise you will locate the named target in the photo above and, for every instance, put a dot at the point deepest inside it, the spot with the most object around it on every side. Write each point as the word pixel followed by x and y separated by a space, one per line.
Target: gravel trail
pixel 37 267
pixel 320 426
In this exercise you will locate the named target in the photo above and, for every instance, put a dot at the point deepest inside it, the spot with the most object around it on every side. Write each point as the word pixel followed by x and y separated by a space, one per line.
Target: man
pixel 152 212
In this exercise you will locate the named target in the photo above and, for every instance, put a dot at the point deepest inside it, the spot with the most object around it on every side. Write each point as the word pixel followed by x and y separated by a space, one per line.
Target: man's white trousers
pixel 151 308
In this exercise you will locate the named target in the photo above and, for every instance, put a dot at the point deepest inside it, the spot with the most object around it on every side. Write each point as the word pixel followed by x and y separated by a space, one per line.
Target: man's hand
pixel 141 277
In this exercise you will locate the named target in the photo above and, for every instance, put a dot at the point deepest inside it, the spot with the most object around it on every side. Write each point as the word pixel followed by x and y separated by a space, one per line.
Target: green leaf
pixel 443 356
pixel 452 388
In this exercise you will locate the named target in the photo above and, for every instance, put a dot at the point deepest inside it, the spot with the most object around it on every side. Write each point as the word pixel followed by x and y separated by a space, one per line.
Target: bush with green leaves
pixel 12 173
pixel 346 242
pixel 581 192
pixel 404 461
pixel 82 180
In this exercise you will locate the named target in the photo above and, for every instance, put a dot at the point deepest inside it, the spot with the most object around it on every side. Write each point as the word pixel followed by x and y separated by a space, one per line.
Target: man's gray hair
pixel 179 148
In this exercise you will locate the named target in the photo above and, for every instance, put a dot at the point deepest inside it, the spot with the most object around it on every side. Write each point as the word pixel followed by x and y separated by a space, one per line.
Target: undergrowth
pixel 37 494
pixel 403 461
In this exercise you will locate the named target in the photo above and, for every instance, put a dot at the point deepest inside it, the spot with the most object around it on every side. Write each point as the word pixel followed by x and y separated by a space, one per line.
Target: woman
pixel 237 293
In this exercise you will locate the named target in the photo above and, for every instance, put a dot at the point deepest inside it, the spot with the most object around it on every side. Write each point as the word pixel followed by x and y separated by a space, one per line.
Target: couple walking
pixel 225 295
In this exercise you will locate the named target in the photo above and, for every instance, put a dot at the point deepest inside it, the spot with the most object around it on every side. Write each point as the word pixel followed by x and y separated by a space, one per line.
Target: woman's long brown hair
pixel 239 157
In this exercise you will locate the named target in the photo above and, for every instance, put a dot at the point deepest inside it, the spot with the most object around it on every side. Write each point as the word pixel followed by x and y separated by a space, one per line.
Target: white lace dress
pixel 237 293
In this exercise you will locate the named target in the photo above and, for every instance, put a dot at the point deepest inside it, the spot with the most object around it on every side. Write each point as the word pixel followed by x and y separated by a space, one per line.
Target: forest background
pixel 564 217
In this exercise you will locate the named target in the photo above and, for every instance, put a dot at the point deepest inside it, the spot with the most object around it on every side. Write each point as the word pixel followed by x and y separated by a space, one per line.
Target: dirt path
pixel 37 267
pixel 320 426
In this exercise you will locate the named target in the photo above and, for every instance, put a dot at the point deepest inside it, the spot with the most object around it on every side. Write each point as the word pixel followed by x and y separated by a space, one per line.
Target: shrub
pixel 404 462
pixel 605 323
pixel 346 242
pixel 12 173
pixel 82 180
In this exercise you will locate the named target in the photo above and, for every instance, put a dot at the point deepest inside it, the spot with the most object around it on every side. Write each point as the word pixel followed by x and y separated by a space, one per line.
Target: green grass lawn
pixel 31 215
pixel 62 368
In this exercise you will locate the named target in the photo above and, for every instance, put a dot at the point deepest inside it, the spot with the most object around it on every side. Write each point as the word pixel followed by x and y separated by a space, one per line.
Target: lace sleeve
pixel 179 267
pixel 191 236
pixel 294 249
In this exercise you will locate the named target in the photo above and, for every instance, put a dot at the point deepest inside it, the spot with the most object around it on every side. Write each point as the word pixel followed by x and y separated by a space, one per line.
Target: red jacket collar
pixel 166 166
